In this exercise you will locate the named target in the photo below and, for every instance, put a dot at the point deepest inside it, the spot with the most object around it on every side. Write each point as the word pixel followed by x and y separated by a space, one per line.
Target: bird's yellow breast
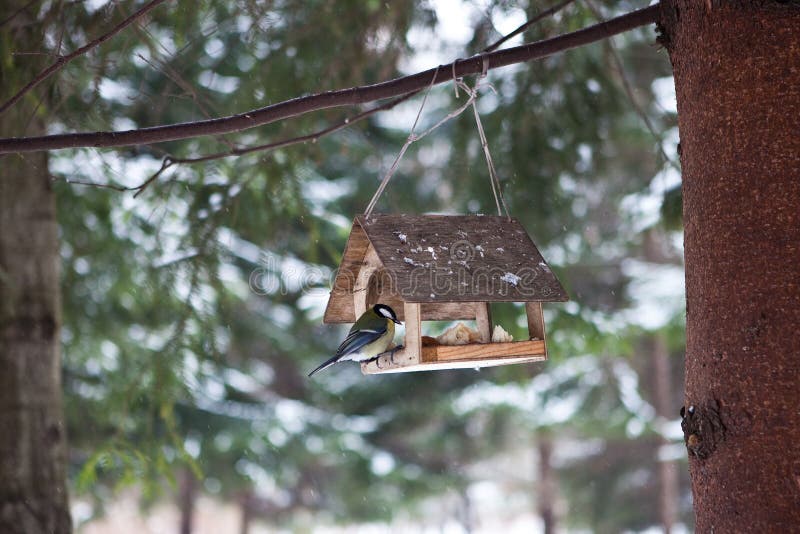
pixel 379 345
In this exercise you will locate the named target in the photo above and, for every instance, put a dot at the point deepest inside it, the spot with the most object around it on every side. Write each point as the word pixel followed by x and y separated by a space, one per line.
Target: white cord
pixel 412 137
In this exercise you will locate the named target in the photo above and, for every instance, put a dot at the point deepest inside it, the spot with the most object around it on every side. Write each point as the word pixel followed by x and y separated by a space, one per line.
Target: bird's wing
pixel 357 339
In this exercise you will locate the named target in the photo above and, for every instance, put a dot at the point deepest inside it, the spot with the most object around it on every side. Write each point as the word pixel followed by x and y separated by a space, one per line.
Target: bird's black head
pixel 385 311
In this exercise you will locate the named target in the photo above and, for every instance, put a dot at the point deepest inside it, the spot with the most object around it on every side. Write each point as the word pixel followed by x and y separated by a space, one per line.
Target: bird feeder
pixel 443 268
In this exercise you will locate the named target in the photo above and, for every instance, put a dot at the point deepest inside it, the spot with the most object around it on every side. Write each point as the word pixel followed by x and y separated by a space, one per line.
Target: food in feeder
pixel 461 250
pixel 459 334
pixel 499 335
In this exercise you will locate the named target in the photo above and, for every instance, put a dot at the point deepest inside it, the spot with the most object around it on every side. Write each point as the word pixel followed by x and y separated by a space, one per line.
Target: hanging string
pixel 411 138
pixel 497 190
pixel 472 93
pixel 455 80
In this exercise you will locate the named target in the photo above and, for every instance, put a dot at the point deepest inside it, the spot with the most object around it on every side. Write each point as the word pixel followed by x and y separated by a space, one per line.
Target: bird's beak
pixel 397 322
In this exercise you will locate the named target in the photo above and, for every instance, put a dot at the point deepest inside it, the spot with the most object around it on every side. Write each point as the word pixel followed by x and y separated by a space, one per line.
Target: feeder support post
pixel 483 318
pixel 535 320
pixel 413 339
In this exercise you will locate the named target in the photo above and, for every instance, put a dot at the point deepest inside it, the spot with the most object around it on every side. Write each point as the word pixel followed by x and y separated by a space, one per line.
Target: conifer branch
pixel 343 97
pixel 61 61
pixel 527 24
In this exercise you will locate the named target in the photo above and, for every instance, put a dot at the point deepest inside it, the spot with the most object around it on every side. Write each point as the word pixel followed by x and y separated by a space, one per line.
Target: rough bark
pixel 737 75
pixel 33 497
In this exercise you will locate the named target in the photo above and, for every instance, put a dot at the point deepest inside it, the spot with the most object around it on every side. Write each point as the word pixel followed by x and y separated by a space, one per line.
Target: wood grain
pixel 461 258
pixel 413 338
pixel 369 266
pixel 483 318
pixel 478 351
pixel 462 357
pixel 373 369
pixel 445 262
pixel 340 304
pixel 535 315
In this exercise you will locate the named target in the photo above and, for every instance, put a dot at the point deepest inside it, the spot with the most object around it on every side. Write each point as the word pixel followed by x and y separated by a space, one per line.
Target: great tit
pixel 370 336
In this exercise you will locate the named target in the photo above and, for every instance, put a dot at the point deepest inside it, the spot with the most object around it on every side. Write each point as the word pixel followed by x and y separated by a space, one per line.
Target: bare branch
pixel 343 97
pixel 169 161
pixel 59 63
pixel 91 184
pixel 15 13
pixel 528 24
pixel 166 164
pixel 179 80
pixel 628 88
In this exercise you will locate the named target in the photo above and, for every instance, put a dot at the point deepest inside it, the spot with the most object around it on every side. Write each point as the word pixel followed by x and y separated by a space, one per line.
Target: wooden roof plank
pixel 461 258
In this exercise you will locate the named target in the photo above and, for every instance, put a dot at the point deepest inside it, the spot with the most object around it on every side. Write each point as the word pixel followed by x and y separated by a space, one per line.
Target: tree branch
pixel 169 161
pixel 61 61
pixel 628 88
pixel 15 13
pixel 527 24
pixel 343 97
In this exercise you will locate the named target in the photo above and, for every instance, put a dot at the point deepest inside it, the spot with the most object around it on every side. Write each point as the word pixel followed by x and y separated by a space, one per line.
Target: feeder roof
pixel 448 258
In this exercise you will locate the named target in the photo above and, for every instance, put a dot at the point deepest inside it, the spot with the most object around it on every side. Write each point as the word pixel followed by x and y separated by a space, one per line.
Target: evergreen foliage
pixel 193 312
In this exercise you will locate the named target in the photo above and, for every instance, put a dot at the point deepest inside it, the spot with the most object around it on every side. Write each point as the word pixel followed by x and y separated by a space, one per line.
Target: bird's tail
pixel 325 365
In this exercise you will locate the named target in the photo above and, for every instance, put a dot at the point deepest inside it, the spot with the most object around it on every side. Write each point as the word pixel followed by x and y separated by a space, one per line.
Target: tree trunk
pixel 246 506
pixel 464 512
pixel 668 484
pixel 737 75
pixel 547 483
pixel 33 496
pixel 187 497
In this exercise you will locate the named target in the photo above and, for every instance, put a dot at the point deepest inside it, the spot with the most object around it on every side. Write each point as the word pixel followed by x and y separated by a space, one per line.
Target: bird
pixel 369 337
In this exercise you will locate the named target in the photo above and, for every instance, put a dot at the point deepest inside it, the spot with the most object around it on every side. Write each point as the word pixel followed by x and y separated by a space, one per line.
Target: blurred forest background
pixel 192 313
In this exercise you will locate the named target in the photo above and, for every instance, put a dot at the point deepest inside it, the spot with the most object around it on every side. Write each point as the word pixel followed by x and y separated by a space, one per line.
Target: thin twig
pixel 526 25
pixel 166 164
pixel 343 97
pixel 176 78
pixel 312 137
pixel 115 187
pixel 59 63
pixel 628 88
pixel 198 99
pixel 49 54
pixel 15 13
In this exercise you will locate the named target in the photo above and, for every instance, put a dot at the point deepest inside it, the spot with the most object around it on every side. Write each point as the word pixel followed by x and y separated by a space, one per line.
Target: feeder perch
pixel 441 268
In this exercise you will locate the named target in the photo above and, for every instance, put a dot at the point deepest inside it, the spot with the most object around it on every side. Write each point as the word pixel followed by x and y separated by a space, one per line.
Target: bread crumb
pixel 459 334
pixel 499 335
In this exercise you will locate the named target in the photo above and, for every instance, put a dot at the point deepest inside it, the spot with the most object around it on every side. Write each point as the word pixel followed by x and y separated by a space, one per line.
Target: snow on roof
pixel 447 258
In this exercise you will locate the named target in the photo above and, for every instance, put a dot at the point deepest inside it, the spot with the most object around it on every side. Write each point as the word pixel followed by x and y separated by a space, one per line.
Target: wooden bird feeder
pixel 441 268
